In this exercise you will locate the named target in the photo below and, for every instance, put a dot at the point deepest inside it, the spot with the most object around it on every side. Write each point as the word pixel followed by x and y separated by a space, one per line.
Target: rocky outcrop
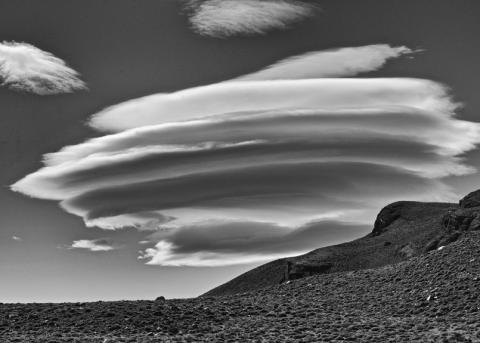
pixel 458 220
pixel 471 200
pixel 387 216
pixel 462 219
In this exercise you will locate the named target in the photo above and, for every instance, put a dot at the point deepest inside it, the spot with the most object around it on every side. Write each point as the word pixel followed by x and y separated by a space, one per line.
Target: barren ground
pixel 430 298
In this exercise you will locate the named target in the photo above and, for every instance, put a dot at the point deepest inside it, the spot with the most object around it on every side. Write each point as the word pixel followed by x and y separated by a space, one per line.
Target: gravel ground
pixel 429 298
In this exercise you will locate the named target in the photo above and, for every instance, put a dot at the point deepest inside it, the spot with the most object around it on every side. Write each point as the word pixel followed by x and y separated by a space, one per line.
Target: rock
pixel 407 250
pixel 475 223
pixel 387 215
pixel 160 299
pixel 463 219
pixel 471 200
pixel 432 245
pixel 449 238
pixel 295 271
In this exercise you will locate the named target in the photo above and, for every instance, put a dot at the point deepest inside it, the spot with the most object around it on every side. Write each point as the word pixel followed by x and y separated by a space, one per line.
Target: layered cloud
pixel 247 170
pixel 24 67
pixel 223 18
pixel 278 95
pixel 227 243
pixel 94 245
pixel 425 143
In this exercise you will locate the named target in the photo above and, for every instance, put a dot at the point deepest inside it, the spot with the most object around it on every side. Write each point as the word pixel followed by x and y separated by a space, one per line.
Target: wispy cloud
pixel 331 63
pixel 223 18
pixel 242 153
pixel 26 68
pixel 94 245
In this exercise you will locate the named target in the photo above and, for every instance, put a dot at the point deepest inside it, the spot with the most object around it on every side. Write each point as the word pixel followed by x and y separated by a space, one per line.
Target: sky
pixel 164 147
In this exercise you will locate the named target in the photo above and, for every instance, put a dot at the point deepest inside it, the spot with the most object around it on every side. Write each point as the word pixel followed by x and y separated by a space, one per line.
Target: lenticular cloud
pixel 262 156
pixel 24 67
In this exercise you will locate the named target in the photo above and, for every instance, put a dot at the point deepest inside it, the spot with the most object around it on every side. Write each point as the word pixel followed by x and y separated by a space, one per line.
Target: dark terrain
pixel 415 278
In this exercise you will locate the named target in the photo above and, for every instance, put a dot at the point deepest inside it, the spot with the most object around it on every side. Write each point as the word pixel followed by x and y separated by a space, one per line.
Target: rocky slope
pixel 402 230
pixel 433 297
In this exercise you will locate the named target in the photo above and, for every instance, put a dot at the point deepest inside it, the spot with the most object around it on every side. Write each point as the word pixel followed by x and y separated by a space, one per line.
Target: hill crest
pixel 401 230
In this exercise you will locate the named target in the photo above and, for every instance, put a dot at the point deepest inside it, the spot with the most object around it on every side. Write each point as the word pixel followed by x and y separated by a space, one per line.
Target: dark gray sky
pixel 126 49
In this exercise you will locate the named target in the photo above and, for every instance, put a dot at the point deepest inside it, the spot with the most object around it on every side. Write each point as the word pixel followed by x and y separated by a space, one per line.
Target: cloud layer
pixel 238 171
pixel 279 95
pixel 23 67
pixel 227 243
pixel 223 18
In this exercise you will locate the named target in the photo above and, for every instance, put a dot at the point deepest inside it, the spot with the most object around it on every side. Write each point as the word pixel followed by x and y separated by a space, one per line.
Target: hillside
pixel 402 230
pixel 414 278
pixel 428 298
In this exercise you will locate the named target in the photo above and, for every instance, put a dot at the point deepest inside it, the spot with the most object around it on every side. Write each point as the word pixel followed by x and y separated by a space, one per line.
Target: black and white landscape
pixel 239 171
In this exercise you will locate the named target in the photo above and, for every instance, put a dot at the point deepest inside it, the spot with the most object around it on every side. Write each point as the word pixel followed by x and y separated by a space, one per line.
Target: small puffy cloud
pixel 94 245
pixel 237 171
pixel 26 68
pixel 212 243
pixel 331 63
pixel 224 18
pixel 17 239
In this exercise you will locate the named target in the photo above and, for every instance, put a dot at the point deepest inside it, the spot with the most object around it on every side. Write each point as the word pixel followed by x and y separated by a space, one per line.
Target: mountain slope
pixel 432 297
pixel 402 230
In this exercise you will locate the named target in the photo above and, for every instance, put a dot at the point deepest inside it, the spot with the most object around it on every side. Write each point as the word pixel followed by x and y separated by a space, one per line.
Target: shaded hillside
pixel 401 230
pixel 428 298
